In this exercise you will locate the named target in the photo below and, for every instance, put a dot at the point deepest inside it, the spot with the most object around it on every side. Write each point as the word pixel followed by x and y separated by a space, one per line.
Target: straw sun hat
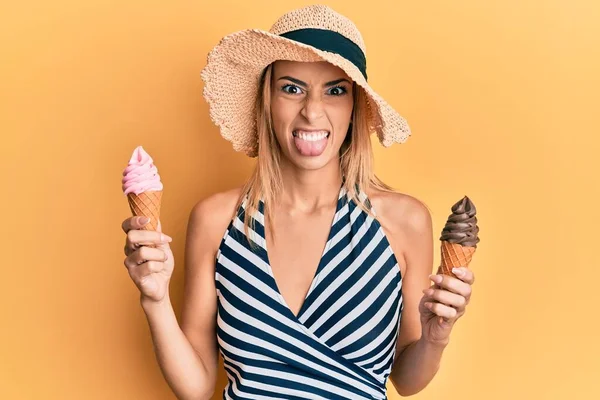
pixel 314 33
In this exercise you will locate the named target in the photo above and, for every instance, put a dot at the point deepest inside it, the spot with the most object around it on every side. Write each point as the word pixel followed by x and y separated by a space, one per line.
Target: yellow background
pixel 502 98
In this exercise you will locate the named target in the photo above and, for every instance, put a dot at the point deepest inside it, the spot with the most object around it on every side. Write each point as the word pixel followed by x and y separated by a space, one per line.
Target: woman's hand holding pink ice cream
pixel 149 259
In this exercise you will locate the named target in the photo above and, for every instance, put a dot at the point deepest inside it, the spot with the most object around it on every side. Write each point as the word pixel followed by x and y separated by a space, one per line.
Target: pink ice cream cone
pixel 143 188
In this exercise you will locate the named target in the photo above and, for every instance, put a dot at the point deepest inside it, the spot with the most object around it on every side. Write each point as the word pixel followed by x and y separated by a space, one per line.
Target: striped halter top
pixel 341 345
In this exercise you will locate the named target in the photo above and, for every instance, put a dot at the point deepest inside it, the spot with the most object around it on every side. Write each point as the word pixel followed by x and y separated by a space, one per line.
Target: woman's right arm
pixel 188 355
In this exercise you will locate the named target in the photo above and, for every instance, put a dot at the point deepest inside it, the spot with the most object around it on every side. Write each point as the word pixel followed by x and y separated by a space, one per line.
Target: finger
pixel 129 263
pixel 139 238
pixel 442 310
pixel 144 254
pixel 150 267
pixel 445 297
pixel 135 222
pixel 452 284
pixel 464 274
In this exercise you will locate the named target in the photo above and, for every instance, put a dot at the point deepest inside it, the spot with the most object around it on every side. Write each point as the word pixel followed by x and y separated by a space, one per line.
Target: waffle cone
pixel 146 204
pixel 455 255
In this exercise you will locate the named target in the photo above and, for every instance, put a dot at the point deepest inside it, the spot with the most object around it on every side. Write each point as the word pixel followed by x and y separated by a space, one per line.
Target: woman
pixel 313 279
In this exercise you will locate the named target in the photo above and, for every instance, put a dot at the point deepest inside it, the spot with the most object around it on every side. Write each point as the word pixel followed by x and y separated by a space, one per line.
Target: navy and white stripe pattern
pixel 341 345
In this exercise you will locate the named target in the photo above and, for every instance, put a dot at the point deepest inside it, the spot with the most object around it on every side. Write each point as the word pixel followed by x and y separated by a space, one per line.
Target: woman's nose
pixel 313 107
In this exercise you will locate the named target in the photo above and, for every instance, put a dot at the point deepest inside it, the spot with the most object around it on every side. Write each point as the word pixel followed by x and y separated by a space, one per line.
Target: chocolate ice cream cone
pixel 146 204
pixel 459 237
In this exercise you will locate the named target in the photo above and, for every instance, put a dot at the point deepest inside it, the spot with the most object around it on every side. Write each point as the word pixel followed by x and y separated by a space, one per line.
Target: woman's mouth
pixel 310 143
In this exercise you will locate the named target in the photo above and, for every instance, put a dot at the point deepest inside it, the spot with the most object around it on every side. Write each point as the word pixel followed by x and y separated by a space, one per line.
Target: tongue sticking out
pixel 310 147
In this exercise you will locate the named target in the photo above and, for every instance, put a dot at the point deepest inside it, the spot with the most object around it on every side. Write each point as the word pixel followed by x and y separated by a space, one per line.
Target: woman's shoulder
pixel 406 220
pixel 210 216
pixel 219 203
pixel 399 211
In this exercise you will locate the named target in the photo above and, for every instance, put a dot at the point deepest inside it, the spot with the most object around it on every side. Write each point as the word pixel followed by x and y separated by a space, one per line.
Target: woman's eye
pixel 291 89
pixel 337 91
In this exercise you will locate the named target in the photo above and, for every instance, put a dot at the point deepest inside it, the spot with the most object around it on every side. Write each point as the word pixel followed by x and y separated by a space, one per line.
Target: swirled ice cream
pixel 141 175
pixel 461 226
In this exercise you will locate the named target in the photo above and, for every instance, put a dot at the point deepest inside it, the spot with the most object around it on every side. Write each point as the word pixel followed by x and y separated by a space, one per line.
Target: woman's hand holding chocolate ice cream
pixel 446 300
pixel 444 303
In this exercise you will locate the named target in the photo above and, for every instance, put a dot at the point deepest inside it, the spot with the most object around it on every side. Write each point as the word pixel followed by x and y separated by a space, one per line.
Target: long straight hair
pixel 355 159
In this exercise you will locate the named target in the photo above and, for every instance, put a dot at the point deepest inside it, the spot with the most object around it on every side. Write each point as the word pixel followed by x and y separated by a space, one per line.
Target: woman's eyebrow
pixel 303 84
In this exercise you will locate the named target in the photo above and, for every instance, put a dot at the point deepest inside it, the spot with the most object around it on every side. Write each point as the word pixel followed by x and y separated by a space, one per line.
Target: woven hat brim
pixel 232 76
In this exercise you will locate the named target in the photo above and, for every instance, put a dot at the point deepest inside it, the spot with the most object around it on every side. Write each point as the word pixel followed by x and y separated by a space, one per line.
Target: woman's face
pixel 311 106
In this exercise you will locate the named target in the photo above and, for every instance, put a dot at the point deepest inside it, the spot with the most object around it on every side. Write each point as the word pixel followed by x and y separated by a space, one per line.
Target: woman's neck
pixel 307 190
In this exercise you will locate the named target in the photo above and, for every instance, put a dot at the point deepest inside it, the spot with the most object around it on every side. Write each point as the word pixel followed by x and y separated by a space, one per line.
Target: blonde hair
pixel 266 182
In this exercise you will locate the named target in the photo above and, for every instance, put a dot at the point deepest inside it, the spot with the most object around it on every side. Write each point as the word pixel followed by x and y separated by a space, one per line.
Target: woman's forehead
pixel 310 71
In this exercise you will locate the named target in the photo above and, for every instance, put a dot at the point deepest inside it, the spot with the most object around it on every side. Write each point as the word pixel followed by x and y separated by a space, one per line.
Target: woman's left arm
pixel 431 308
